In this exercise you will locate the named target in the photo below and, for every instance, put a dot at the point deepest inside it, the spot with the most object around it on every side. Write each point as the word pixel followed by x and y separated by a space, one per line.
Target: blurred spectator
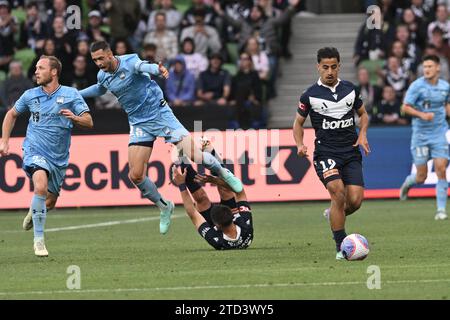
pixel 370 44
pixel 214 84
pixel 149 54
pixel 422 11
pixel 49 49
pixel 64 48
pixel 59 9
pixel 417 29
pixel 93 30
pixel 83 50
pixel 195 62
pixel 389 110
pixel 246 96
pixel 399 50
pixel 395 76
pixel 121 47
pixel 236 9
pixel 173 16
pixel 81 77
pixel 441 22
pixel 180 87
pixel 370 94
pixel 259 58
pixel 165 40
pixel 441 45
pixel 8 26
pixel 33 31
pixel 444 66
pixel 412 50
pixel 14 86
pixel 189 16
pixel 124 17
pixel 205 37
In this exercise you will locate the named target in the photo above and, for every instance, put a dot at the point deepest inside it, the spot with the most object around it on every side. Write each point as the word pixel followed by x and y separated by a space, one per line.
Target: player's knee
pixel 136 176
pixel 40 189
pixel 337 194
pixel 353 205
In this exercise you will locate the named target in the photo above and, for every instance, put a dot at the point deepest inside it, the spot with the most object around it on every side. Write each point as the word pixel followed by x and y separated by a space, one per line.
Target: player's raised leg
pixel 354 196
pixel 39 211
pixel 189 148
pixel 414 178
pixel 138 157
pixel 440 166
pixel 336 189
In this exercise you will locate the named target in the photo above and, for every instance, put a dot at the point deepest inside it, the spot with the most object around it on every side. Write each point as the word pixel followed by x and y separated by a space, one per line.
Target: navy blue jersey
pixel 244 226
pixel 332 115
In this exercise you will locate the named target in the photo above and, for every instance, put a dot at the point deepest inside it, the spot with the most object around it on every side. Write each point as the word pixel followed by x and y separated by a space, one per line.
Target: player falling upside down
pixel 427 101
pixel 225 226
pixel 331 104
pixel 149 116
pixel 54 110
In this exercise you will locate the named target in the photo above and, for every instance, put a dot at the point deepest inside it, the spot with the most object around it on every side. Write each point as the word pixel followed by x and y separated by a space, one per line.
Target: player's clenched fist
pixel 4 147
pixel 427 116
pixel 302 151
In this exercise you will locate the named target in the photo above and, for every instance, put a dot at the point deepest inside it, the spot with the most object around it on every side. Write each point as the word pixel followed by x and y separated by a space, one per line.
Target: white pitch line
pixel 231 286
pixel 101 224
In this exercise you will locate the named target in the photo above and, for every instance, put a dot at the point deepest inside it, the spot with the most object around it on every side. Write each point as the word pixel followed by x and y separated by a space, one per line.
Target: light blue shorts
pixel 166 125
pixel 422 152
pixel 56 175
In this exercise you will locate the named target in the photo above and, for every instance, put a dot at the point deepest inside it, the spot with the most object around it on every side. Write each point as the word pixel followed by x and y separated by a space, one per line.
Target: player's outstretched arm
pixel 180 179
pixel 8 125
pixel 413 112
pixel 302 150
pixel 96 90
pixel 152 68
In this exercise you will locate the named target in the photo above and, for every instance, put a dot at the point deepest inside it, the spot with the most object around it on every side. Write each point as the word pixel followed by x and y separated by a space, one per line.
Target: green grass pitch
pixel 292 256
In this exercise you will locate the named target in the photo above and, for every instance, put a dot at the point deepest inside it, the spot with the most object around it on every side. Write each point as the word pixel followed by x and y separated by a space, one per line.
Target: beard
pixel 44 80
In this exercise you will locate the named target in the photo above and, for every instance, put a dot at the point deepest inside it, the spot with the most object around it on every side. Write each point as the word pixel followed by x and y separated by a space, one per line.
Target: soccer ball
pixel 355 247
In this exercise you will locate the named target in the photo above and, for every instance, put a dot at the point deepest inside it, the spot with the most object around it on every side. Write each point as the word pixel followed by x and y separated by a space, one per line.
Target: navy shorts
pixel 346 166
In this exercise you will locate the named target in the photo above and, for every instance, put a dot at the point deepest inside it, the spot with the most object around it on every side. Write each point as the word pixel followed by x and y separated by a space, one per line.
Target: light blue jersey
pixel 48 133
pixel 139 96
pixel 429 137
pixel 426 97
pixel 149 115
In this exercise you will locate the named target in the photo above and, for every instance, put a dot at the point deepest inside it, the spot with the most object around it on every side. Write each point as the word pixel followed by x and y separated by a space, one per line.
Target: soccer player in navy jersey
pixel 149 116
pixel 54 109
pixel 331 103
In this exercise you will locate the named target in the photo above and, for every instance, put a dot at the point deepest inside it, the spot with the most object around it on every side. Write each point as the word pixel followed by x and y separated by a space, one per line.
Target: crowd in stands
pixel 223 52
pixel 389 58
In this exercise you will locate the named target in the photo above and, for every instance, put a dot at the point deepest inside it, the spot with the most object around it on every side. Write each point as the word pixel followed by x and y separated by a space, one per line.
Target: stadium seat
pixel 230 67
pixel 25 56
pixel 372 66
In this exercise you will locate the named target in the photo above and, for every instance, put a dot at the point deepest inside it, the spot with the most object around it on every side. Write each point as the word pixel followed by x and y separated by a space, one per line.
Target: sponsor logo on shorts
pixel 330 173
pixel 338 124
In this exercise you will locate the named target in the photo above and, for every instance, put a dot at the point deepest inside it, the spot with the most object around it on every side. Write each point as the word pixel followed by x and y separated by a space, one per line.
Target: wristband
pixel 182 187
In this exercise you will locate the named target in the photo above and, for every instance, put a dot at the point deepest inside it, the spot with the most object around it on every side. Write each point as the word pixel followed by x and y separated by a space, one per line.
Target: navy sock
pixel 339 236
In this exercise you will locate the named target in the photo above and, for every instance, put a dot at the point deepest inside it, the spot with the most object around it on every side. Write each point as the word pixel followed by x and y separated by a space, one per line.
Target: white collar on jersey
pixel 333 89
pixel 238 234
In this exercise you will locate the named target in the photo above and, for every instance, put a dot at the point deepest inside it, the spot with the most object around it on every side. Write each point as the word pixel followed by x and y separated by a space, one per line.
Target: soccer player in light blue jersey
pixel 149 116
pixel 54 109
pixel 427 101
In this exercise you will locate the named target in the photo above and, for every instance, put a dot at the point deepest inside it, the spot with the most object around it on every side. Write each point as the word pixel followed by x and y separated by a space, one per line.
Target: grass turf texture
pixel 292 256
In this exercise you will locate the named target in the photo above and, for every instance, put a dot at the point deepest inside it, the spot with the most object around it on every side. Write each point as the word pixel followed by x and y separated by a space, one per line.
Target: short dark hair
pixel 431 57
pixel 160 13
pixel 221 216
pixel 100 45
pixel 54 63
pixel 328 53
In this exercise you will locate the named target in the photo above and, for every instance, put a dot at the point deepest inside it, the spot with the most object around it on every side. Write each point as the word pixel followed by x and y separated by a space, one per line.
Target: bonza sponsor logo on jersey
pixel 337 124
